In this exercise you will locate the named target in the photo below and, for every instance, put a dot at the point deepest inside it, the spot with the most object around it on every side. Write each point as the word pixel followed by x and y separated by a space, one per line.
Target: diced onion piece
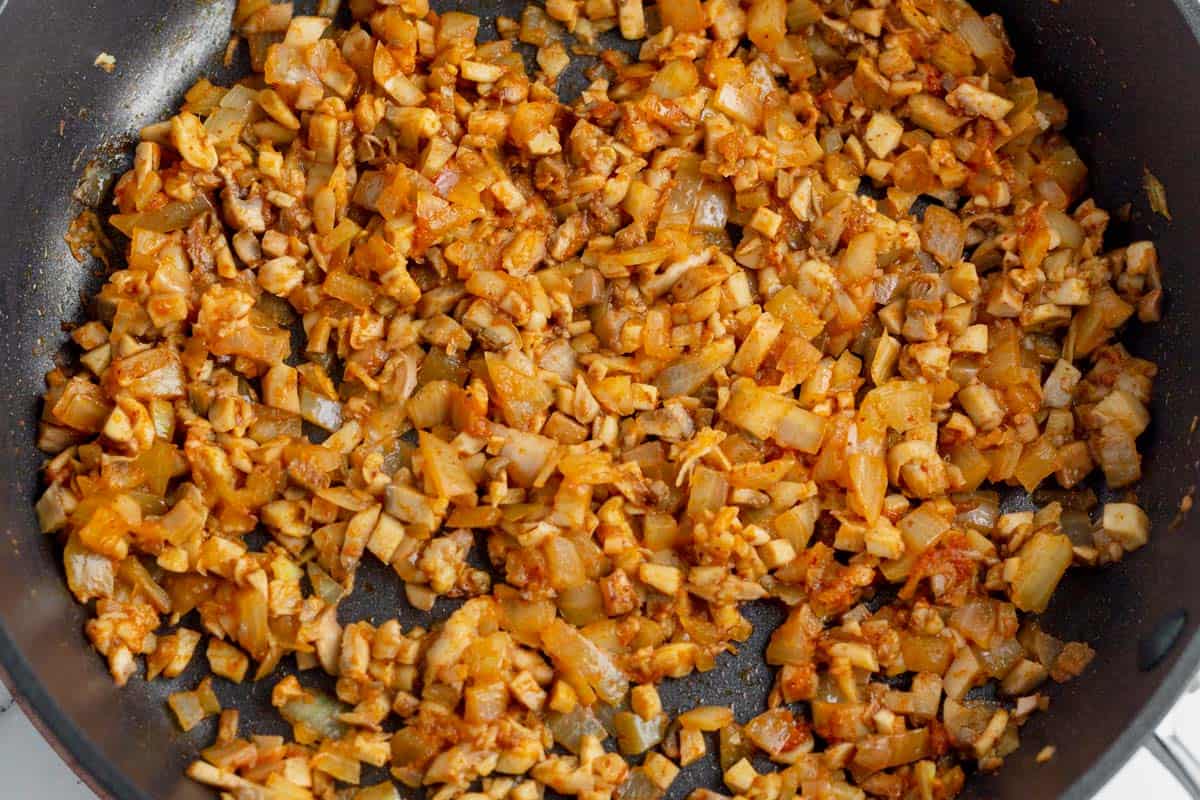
pixel 875 753
pixel 443 468
pixel 932 114
pixel 636 735
pixel 637 786
pixel 984 44
pixel 1043 560
pixel 776 731
pixel 1156 194
pixel 523 398
pixel 688 374
pixel 676 79
pixel 587 666
pixel 171 217
pixel 706 718
pixel 1127 524
pixel 89 575
pixel 317 711
pixel 793 642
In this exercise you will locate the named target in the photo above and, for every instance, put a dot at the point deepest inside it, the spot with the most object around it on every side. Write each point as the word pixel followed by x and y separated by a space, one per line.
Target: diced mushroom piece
pixel 1127 524
pixel 688 374
pixel 769 415
pixel 1115 449
pixel 963 674
pixel 883 134
pixel 1122 409
pixel 631 19
pixel 979 102
pixel 532 128
pixel 1060 384
pixel 980 403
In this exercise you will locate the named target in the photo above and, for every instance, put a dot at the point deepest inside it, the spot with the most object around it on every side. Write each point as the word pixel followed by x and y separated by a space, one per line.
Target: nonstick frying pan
pixel 1129 70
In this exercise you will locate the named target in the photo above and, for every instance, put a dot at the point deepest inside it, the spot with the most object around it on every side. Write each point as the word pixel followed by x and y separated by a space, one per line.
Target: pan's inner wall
pixel 1127 71
pixel 60 113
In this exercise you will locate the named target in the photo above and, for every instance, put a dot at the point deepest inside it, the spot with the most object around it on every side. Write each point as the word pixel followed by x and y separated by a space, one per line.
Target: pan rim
pixel 84 758
pixel 65 737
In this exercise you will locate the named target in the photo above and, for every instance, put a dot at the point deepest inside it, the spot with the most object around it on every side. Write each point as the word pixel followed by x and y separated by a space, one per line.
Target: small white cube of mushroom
pixel 973 340
pixel 507 194
pixel 1004 300
pixel 1121 408
pixel 877 169
pixel 885 721
pixel 991 734
pixel 1008 524
pixel 801 201
pixel 766 221
pixel 564 11
pixel 645 701
pixel 691 746
pixel 631 17
pixel 1047 316
pixel 858 654
pixel 386 538
pixel 1060 384
pixel 740 777
pixel 527 691
pixel 1071 292
pixel 884 540
pixel 661 770
pixel 979 401
pixel 1126 524
pixel 979 102
pixel 883 134
pixel 526 790
pixel 777 553
pixel 1140 258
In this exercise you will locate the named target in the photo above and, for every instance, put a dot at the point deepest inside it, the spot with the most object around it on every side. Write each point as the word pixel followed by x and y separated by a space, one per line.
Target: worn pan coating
pixel 1128 69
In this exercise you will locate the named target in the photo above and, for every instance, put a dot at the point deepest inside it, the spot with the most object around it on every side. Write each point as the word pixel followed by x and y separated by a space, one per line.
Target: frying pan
pixel 1129 70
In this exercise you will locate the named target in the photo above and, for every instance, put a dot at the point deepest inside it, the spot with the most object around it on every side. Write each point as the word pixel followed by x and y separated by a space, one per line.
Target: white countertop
pixel 32 770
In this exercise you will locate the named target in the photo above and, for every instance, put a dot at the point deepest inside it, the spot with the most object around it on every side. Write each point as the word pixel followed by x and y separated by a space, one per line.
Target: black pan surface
pixel 1129 71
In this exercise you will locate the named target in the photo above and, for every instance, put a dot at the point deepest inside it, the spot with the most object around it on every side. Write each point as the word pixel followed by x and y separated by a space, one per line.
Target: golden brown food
pixel 769 313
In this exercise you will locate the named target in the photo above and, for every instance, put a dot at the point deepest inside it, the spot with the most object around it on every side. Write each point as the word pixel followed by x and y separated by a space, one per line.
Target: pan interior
pixel 1125 73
